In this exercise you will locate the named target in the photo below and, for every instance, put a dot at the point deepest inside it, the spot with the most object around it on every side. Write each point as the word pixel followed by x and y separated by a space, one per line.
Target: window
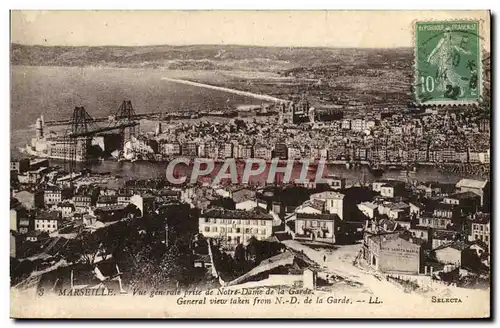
pixel 255 222
pixel 207 220
pixel 229 230
pixel 238 230
pixel 314 223
pixel 262 222
pixel 214 229
pixel 222 229
pixel 248 230
pixel 247 222
pixel 480 228
pixel 263 231
pixel 486 238
pixel 475 237
pixel 207 229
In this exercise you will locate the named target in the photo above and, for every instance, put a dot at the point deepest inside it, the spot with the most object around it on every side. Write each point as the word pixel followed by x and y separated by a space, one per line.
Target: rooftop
pixel 470 183
pixel 236 214
pixel 464 195
pixel 328 217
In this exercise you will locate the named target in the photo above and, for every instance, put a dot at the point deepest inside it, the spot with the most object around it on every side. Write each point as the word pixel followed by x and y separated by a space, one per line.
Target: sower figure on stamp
pixel 446 56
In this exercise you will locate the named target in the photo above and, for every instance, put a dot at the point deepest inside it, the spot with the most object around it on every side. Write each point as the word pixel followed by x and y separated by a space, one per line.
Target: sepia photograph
pixel 250 164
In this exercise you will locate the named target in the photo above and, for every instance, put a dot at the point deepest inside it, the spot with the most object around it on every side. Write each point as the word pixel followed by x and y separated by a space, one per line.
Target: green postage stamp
pixel 447 63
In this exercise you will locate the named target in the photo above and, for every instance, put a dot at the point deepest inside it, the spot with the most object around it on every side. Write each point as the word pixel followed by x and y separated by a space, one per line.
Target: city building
pixel 145 203
pixel 479 187
pixel 82 202
pixel 390 253
pixel 233 227
pixel 369 209
pixel 468 202
pixel 30 200
pixel 336 183
pixel 334 202
pixel 319 227
pixel 480 229
pixel 20 165
pixel 52 196
pixel 47 221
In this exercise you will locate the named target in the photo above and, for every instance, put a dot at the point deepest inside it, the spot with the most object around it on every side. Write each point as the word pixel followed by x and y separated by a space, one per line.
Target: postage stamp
pixel 447 62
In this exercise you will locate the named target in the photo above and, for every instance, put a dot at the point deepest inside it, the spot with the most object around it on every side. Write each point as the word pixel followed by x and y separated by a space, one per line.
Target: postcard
pixel 250 164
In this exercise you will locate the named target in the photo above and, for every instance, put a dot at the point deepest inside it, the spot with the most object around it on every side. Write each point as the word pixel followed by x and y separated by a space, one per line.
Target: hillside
pixel 205 57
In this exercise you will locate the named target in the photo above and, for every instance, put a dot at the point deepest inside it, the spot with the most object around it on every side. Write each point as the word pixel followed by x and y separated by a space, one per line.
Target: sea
pixel 55 91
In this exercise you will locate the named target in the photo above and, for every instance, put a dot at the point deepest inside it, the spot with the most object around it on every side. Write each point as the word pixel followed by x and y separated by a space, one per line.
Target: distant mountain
pixel 227 57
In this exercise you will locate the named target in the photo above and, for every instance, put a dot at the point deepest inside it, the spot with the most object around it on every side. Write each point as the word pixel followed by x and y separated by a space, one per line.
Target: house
pixel 479 187
pixel 392 189
pixel 107 200
pixel 389 188
pixel 250 204
pixel 394 211
pixel 416 208
pixel 442 237
pixel 30 200
pixel 111 213
pixel 82 202
pixel 123 196
pixel 52 196
pixel 435 189
pixel 202 261
pixel 446 210
pixel 423 233
pixel 334 202
pixel 17 212
pixel 24 225
pixel 435 222
pixel 35 236
pixel 480 229
pixel 369 209
pixel 319 227
pixel 67 209
pixel 336 183
pixel 48 221
pixel 467 201
pixel 242 194
pixel 233 227
pixel 450 253
pixel 316 206
pixel 145 203
pixel 20 165
pixel 391 253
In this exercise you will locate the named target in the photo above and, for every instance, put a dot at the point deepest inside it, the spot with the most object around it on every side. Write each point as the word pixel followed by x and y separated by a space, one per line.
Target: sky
pixel 373 29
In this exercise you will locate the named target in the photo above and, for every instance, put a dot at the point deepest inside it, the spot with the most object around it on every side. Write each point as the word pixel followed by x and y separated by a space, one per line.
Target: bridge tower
pixel 77 138
pixel 124 115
